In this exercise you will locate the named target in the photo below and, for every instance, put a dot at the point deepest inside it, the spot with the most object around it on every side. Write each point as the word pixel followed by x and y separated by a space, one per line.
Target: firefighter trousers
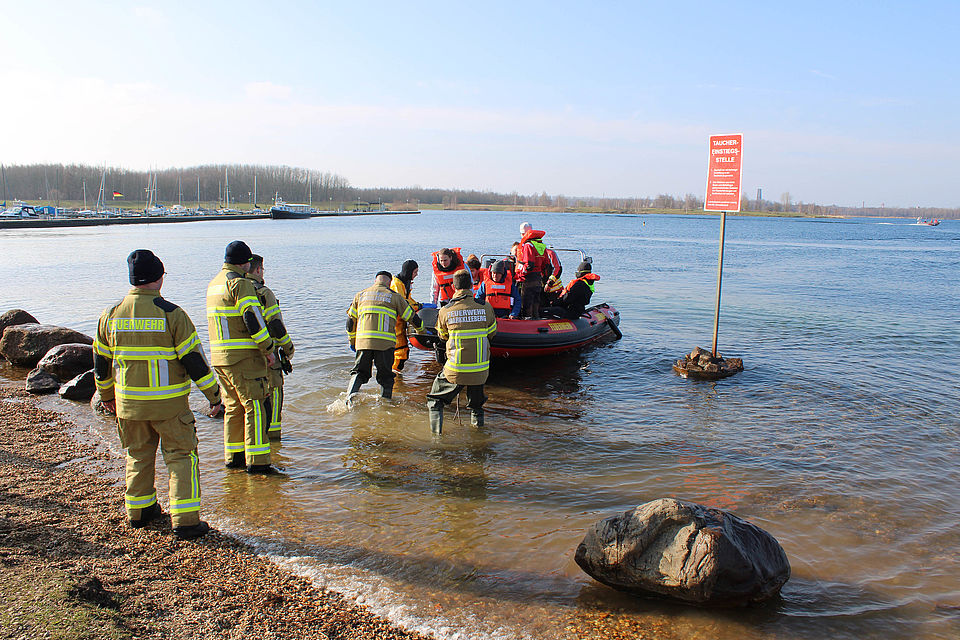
pixel 244 387
pixel 177 438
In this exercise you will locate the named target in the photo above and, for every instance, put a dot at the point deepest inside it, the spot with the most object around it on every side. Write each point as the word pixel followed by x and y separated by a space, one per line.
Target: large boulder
pixel 40 381
pixel 15 316
pixel 80 388
pixel 685 551
pixel 67 360
pixel 25 344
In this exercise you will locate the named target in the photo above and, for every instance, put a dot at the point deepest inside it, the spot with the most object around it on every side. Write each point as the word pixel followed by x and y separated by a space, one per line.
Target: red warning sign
pixel 723 174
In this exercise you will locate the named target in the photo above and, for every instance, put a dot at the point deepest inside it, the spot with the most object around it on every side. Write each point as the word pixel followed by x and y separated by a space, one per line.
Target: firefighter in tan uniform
pixel 371 328
pixel 283 349
pixel 467 327
pixel 146 348
pixel 241 350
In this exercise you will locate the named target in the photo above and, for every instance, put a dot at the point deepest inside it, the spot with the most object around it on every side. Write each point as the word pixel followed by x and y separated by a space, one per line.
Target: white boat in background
pixel 286 211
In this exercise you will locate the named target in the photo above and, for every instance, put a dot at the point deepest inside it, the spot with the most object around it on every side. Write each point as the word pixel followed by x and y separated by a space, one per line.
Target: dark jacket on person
pixel 576 299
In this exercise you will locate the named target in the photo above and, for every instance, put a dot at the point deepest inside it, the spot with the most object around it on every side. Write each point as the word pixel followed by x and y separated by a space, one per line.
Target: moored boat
pixel 543 337
pixel 285 211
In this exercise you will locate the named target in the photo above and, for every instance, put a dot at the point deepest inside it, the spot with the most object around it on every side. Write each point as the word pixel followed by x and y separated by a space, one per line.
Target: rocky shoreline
pixel 71 567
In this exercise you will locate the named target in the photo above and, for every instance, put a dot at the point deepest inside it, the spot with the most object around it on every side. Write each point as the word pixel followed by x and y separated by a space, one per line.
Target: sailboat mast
pixel 84 195
pixel 198 193
pixel 226 187
pixel 254 189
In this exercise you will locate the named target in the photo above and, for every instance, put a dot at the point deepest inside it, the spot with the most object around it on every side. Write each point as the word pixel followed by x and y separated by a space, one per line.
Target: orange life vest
pixel 499 294
pixel 587 278
pixel 445 278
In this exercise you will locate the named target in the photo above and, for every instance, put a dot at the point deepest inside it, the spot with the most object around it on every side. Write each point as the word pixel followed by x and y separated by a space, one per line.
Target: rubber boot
pixel 353 387
pixel 238 461
pixel 476 417
pixel 386 392
pixel 436 420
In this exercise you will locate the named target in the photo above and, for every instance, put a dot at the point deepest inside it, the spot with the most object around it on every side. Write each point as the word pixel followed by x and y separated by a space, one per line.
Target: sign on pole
pixel 723 175
pixel 723 194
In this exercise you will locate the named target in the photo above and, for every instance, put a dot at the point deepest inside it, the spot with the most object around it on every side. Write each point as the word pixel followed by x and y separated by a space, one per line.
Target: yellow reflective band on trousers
pixel 140 502
pixel 192 503
pixel 276 399
pixel 258 447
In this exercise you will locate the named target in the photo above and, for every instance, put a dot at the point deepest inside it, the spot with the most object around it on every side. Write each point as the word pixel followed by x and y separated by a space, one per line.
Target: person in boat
pixel 553 285
pixel 142 334
pixel 466 326
pixel 283 345
pixel 499 289
pixel 533 267
pixel 576 296
pixel 446 262
pixel 476 271
pixel 403 284
pixel 371 328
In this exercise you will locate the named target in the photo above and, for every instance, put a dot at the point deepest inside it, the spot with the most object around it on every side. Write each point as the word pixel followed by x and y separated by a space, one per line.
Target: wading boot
pixel 147 515
pixel 192 531
pixel 262 470
pixel 436 421
pixel 238 461
pixel 476 417
pixel 386 392
pixel 353 387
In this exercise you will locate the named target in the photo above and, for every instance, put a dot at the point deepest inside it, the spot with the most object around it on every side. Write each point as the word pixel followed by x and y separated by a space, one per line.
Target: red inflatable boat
pixel 526 338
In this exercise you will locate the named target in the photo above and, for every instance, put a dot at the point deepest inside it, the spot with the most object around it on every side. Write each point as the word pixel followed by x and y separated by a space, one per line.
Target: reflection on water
pixel 840 438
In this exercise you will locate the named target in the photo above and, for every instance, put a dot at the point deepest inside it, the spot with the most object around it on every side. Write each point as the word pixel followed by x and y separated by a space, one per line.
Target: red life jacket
pixel 540 258
pixel 587 279
pixel 499 294
pixel 445 278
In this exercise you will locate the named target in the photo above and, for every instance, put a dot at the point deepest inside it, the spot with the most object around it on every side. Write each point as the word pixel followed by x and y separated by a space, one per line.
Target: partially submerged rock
pixel 80 388
pixel 67 361
pixel 701 365
pixel 40 381
pixel 687 552
pixel 25 344
pixel 15 316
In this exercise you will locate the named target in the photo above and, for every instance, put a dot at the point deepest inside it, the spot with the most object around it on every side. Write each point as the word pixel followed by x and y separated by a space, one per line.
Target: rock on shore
pixel 80 388
pixel 25 344
pixel 40 381
pixel 67 361
pixel 15 316
pixel 687 552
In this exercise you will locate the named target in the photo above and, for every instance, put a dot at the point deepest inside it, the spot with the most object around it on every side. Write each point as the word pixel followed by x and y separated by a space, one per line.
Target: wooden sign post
pixel 723 194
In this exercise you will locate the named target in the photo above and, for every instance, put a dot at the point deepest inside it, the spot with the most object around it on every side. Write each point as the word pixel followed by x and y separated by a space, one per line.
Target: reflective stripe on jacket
pixel 141 342
pixel 375 312
pixel 467 326
pixel 231 297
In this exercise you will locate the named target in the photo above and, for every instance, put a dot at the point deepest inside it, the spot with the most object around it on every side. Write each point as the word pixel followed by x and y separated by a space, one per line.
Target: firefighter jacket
pixel 467 326
pixel 441 289
pixel 372 318
pixel 145 354
pixel 274 320
pixel 235 318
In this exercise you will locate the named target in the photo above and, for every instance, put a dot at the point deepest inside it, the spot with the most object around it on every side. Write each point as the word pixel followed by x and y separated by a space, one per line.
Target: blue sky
pixel 841 103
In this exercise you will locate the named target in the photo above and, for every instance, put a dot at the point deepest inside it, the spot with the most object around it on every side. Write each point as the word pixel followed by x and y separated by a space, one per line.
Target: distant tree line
pixel 56 182
pixel 208 184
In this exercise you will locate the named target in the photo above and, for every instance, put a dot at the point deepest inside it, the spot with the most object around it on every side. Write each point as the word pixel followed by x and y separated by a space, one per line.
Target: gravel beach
pixel 71 567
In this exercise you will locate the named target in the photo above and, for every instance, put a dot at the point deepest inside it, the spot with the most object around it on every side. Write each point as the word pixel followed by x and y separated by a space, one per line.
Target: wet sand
pixel 71 567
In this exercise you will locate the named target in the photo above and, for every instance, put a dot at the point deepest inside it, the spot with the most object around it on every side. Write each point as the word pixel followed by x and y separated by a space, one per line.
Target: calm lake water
pixel 840 438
